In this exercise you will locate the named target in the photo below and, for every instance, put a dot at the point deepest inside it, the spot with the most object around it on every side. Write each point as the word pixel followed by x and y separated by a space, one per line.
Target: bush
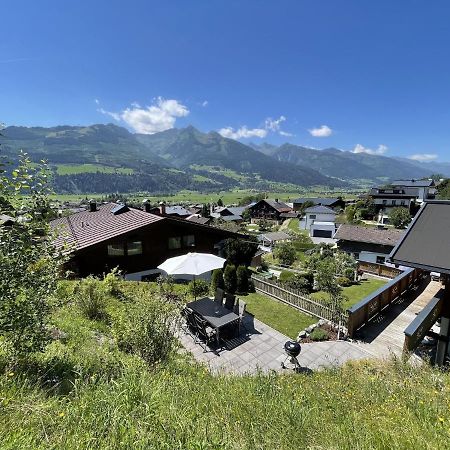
pixel 217 280
pixel 229 278
pixel 242 280
pixel 285 253
pixel 145 327
pixel 113 283
pixel 400 217
pixel 303 283
pixel 285 275
pixel 343 281
pixel 90 297
pixel 198 288
pixel 318 334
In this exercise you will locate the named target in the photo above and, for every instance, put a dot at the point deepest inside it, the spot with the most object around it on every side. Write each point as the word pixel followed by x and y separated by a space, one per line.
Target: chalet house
pixel 337 203
pixel 229 213
pixel 171 211
pixel 115 235
pixel 268 210
pixel 367 244
pixel 320 221
pixel 425 189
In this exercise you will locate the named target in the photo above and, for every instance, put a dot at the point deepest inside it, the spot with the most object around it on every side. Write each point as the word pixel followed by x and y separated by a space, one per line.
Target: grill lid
pixel 292 348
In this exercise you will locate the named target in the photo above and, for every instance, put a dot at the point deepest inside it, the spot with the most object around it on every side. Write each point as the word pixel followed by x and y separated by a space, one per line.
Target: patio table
pixel 214 313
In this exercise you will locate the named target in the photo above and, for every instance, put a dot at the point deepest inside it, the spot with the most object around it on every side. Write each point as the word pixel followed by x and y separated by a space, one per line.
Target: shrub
pixel 343 281
pixel 145 327
pixel 198 288
pixel 318 334
pixel 217 280
pixel 285 253
pixel 229 278
pixel 400 217
pixel 90 297
pixel 285 275
pixel 113 282
pixel 242 280
pixel 303 283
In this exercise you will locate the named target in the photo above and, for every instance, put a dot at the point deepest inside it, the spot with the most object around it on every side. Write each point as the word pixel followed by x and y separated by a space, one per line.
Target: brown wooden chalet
pixel 269 210
pixel 115 235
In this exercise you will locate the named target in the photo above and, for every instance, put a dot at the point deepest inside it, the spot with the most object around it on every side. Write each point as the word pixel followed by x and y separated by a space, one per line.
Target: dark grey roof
pixel 177 210
pixel 395 192
pixel 200 220
pixel 274 236
pixel 231 218
pixel 237 210
pixel 426 243
pixel 318 201
pixel 413 183
pixel 289 215
pixel 279 206
pixel 320 210
pixel 380 236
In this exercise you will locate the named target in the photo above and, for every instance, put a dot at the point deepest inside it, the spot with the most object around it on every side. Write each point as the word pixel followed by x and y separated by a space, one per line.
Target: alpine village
pixel 170 283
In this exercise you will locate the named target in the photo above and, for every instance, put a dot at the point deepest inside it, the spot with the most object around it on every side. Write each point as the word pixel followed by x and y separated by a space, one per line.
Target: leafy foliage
pixel 318 334
pixel 443 190
pixel 285 252
pixel 400 217
pixel 242 280
pixel 240 251
pixel 198 288
pixel 29 263
pixel 90 297
pixel 217 280
pixel 230 278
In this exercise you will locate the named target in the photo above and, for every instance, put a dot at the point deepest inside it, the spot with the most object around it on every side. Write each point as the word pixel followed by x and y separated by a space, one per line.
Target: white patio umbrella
pixel 192 264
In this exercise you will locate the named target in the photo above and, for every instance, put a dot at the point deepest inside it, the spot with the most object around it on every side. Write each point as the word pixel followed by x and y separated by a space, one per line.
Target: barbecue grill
pixel 292 350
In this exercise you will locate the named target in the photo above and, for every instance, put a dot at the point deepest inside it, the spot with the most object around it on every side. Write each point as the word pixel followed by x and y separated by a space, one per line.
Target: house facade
pixel 268 210
pixel 319 221
pixel 371 245
pixel 136 241
pixel 425 189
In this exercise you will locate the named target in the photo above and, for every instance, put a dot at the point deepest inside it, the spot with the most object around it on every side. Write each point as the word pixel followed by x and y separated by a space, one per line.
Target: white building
pixel 320 221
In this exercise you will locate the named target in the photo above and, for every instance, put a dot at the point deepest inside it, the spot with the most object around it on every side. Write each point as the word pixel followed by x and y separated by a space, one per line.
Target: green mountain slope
pixel 347 165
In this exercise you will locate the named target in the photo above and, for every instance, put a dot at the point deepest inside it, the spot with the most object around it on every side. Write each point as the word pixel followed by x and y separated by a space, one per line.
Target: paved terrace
pixel 260 347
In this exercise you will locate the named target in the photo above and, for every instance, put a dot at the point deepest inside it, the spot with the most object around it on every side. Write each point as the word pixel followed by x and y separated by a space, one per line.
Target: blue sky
pixel 360 75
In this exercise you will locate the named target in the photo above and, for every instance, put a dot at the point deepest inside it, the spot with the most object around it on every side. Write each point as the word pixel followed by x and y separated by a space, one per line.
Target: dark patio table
pixel 214 313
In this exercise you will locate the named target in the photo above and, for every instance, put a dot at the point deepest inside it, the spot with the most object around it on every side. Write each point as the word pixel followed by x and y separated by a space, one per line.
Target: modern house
pixel 425 189
pixel 320 221
pixel 314 201
pixel 115 235
pixel 268 210
pixel 367 244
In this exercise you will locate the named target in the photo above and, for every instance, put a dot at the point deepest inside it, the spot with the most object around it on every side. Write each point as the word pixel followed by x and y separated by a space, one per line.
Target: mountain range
pixel 109 158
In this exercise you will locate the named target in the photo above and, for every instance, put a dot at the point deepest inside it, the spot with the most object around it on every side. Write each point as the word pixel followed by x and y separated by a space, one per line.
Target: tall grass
pixel 113 399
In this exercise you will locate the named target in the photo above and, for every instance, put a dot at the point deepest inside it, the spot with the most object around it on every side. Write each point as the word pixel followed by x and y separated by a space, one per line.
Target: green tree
pixel 399 217
pixel 29 262
pixel 217 280
pixel 285 252
pixel 242 280
pixel 230 279
pixel 240 251
pixel 443 190
pixel 219 202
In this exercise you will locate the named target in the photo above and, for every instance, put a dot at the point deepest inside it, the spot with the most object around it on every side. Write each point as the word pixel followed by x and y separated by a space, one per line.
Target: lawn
pixel 281 317
pixel 356 292
pixel 70 169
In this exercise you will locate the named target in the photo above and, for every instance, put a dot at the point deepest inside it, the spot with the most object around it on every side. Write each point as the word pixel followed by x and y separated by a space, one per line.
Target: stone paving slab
pixel 262 350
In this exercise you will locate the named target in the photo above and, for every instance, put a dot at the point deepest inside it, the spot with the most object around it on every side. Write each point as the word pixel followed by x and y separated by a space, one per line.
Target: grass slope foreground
pixel 96 386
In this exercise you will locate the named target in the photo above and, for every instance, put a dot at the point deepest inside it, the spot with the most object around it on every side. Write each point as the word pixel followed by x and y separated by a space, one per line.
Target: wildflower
pixel 61 414
pixel 441 420
pixel 10 374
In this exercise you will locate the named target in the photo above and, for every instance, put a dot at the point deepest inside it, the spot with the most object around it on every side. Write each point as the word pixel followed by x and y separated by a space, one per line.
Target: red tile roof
pixel 88 228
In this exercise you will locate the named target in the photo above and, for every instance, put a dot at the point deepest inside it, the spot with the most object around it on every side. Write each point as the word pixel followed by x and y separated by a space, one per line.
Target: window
pixel 402 202
pixel 312 216
pixel 393 202
pixel 116 250
pixel 356 255
pixel 189 240
pixel 134 248
pixel 381 259
pixel 174 242
pixel 384 202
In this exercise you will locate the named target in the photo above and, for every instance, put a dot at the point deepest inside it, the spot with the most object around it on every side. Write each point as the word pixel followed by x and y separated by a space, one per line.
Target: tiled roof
pixel 320 210
pixel 200 220
pixel 279 206
pixel 87 228
pixel 274 236
pixel 317 201
pixel 381 236
pixel 413 183
pixel 177 210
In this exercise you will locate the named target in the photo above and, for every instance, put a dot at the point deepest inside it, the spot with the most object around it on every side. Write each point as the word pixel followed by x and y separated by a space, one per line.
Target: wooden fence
pixel 362 312
pixel 419 327
pixel 379 269
pixel 293 298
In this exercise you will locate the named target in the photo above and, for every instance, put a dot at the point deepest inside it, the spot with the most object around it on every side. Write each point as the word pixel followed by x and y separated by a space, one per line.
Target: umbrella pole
pixel 195 291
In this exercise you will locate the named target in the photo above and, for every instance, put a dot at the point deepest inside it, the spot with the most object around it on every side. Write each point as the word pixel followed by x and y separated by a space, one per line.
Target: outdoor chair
pixel 205 334
pixel 218 296
pixel 188 325
pixel 229 301
pixel 239 309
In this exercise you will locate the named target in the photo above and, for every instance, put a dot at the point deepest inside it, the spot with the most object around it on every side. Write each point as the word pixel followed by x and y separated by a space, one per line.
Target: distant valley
pixel 107 159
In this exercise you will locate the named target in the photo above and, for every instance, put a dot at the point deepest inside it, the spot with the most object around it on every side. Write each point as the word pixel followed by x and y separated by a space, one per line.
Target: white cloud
pixel 323 131
pixel 423 157
pixel 270 125
pixel 97 101
pixel 151 119
pixel 243 132
pixel 205 103
pixel 380 150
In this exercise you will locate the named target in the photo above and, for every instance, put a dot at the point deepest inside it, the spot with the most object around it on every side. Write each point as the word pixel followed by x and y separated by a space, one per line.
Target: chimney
pixel 276 200
pixel 92 205
pixel 162 208
pixel 147 206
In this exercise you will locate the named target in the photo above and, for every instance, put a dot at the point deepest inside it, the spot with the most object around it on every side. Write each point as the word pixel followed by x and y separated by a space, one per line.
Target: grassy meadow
pixel 93 389
pixel 70 169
